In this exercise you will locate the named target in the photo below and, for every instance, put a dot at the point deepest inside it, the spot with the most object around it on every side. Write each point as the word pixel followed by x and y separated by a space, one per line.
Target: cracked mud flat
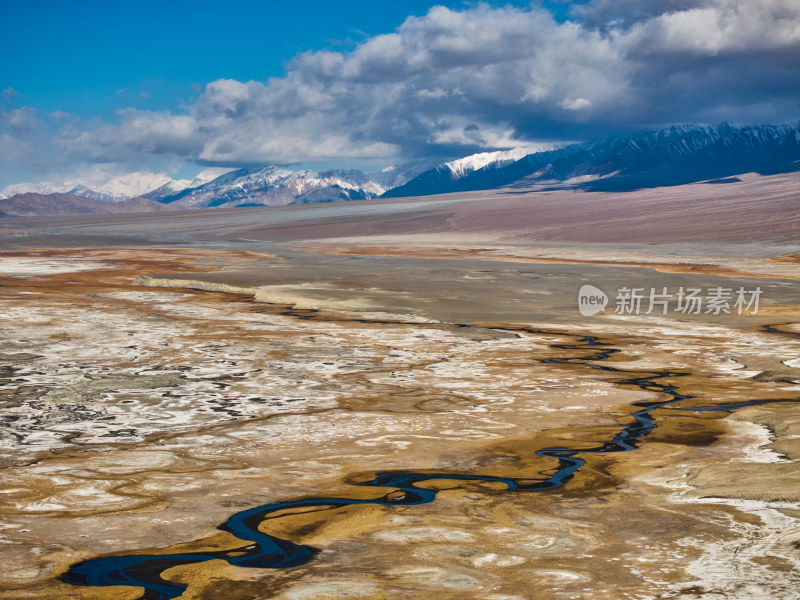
pixel 137 419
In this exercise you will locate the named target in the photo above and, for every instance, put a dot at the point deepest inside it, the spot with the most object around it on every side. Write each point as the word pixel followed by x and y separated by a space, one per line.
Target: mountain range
pixel 671 156
pixel 130 185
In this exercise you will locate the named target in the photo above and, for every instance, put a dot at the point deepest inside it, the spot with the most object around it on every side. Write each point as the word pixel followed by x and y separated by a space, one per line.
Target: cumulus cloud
pixel 723 27
pixel 455 82
pixel 139 133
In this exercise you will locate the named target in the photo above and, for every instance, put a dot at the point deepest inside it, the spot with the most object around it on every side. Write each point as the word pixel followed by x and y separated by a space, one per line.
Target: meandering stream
pixel 262 550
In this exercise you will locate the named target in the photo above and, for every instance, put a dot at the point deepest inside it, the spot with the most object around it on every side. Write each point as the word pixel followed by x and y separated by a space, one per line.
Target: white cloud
pixel 576 104
pixel 723 26
pixel 13 149
pixel 22 119
pixel 484 78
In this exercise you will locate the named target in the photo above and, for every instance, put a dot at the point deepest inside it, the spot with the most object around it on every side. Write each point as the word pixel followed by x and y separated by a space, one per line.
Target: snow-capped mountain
pixel 673 156
pixel 141 184
pixel 396 175
pixel 443 177
pixel 683 154
pixel 33 188
pixel 132 185
pixel 464 166
pixel 268 185
pixel 175 186
pixel 120 188
pixel 275 186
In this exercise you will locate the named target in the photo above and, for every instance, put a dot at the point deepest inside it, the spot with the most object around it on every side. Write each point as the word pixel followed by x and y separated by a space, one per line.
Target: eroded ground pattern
pixel 138 419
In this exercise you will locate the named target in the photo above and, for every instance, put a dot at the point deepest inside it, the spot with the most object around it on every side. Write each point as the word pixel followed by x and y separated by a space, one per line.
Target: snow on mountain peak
pixel 35 188
pixel 205 176
pixel 130 185
pixel 116 189
pixel 468 164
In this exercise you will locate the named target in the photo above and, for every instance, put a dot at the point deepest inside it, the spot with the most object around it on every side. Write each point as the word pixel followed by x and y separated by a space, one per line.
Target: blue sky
pixel 90 90
pixel 93 57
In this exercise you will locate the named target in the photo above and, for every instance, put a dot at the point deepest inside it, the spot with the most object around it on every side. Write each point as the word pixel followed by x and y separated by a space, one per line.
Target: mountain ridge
pixel 671 156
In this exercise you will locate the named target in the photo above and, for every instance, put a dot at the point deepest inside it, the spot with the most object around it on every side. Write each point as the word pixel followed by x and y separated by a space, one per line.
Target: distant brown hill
pixel 32 205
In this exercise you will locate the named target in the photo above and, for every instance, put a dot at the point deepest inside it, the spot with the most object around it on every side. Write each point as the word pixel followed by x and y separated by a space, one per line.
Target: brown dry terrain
pixel 757 209
pixel 160 374
pixel 29 204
